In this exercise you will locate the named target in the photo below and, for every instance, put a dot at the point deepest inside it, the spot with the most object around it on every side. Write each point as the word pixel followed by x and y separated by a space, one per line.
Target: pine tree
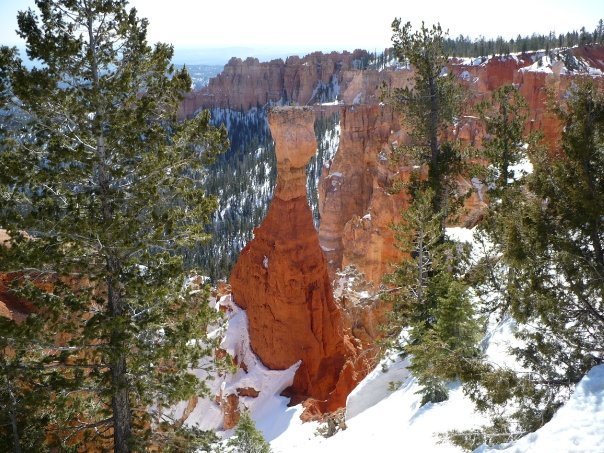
pixel 428 295
pixel 102 190
pixel 558 246
pixel 504 116
pixel 247 438
pixel 504 147
pixel 430 106
pixel 548 235
pixel 432 301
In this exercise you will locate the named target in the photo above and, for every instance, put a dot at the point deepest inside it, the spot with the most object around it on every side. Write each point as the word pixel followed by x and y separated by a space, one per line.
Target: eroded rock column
pixel 281 279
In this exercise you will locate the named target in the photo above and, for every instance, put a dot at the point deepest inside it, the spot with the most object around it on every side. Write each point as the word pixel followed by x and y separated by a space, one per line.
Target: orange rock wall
pixel 355 204
pixel 356 178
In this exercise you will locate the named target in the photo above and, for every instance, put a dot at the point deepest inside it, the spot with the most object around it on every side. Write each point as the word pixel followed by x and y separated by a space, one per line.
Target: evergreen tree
pixel 504 116
pixel 504 147
pixel 430 106
pixel 428 295
pixel 548 237
pixel 432 301
pixel 247 438
pixel 101 191
pixel 558 246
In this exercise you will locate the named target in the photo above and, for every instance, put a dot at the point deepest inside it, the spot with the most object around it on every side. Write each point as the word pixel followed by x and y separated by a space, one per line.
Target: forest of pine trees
pixel 466 46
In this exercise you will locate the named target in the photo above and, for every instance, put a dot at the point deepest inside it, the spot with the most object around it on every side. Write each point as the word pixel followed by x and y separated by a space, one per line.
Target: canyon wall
pixel 357 205
pixel 244 84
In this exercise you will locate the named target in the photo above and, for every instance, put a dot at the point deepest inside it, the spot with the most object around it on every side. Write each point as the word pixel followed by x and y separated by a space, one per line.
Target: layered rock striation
pixel 357 177
pixel 356 202
pixel 281 279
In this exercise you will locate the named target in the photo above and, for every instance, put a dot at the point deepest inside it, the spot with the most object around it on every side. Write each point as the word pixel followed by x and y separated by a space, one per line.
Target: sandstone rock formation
pixel 358 174
pixel 281 280
pixel 356 204
pixel 244 84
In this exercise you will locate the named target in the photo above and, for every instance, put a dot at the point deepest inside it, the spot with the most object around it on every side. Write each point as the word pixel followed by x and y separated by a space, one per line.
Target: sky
pixel 216 29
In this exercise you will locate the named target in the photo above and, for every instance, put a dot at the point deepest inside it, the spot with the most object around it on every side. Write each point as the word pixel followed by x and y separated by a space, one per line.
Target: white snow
pixel 381 419
pixel 336 102
pixel 460 234
pixel 383 413
pixel 521 169
pixel 270 383
pixel 578 426
pixel 542 64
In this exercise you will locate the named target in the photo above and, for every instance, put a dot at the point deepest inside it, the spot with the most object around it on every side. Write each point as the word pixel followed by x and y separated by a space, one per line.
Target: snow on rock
pixel 269 383
pixel 460 234
pixel 578 426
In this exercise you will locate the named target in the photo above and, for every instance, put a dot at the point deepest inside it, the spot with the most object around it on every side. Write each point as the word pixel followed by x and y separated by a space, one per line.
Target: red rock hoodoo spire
pixel 281 279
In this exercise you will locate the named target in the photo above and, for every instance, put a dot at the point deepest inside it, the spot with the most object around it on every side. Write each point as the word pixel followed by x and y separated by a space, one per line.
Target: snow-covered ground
pixel 578 426
pixel 383 413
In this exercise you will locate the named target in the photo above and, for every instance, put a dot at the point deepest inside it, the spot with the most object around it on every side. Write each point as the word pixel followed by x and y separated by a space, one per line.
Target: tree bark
pixel 13 419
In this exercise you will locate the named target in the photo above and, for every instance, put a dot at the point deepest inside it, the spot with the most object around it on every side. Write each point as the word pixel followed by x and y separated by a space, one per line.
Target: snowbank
pixel 578 426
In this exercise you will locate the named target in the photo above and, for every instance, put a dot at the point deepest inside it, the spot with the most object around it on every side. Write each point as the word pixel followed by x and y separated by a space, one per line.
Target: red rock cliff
pixel 357 177
pixel 250 83
pixel 281 279
pixel 355 202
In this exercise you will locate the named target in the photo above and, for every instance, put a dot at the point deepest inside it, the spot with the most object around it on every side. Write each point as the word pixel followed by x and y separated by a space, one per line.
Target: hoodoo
pixel 281 279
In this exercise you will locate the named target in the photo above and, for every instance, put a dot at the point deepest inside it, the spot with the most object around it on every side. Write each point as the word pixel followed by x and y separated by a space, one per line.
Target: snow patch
pixel 269 409
pixel 576 427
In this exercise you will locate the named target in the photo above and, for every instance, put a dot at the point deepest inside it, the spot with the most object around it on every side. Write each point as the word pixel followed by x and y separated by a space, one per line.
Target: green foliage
pixel 505 116
pixel 428 295
pixel 247 438
pixel 497 433
pixel 432 301
pixel 558 245
pixel 544 269
pixel 464 46
pixel 431 105
pixel 101 190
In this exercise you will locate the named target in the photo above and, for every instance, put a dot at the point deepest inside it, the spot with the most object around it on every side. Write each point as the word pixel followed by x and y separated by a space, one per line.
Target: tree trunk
pixel 435 170
pixel 433 128
pixel 13 418
pixel 120 402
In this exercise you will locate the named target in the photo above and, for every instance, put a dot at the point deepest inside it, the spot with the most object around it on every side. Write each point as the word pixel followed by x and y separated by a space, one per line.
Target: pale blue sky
pixel 301 26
